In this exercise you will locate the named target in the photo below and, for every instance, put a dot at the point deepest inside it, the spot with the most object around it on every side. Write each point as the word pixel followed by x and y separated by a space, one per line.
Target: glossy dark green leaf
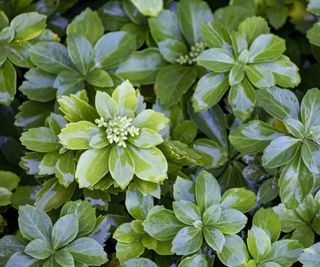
pixel 142 66
pixel 280 151
pixel 280 103
pixel 8 85
pixel 162 224
pixel 209 91
pixel 253 137
pixel 172 82
pixel 191 15
pixel 82 25
pixel 187 241
pixel 51 57
pixel 207 191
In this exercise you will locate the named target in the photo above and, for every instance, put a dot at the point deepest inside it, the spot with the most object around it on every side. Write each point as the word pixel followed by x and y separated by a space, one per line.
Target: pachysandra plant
pixel 159 133
pixel 119 136
pixel 242 60
pixel 178 38
pixel 67 242
pixel 202 215
pixel 293 147
pixel 264 248
pixel 303 222
pixel 14 43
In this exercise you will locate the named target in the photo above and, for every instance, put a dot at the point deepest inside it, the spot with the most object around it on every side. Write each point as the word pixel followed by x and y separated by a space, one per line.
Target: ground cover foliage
pixel 159 133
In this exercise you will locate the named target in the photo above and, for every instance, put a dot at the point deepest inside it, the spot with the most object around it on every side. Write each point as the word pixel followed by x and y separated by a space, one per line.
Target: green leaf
pixel 64 258
pixel 82 25
pixel 38 85
pixel 212 123
pixel 65 168
pixel 295 183
pixel 34 223
pixel 162 224
pixel 28 26
pixel 99 78
pixel 209 91
pixel 277 15
pixel 185 132
pixel 69 82
pixel 253 137
pixel 310 106
pixel 40 139
pixel 105 105
pixel 236 75
pixel 77 135
pixel 186 211
pixel 212 154
pixel 150 164
pixel 39 249
pixel 129 251
pixel 280 103
pixel 234 251
pixel 280 151
pixel 151 120
pixel 242 99
pixel 187 241
pixel 9 244
pixel 313 34
pixel 285 72
pixel 192 14
pixel 215 35
pixel 81 52
pixel 126 99
pixel 195 260
pixel 85 214
pixel 137 204
pixel 172 50
pixel 121 166
pixel 48 162
pixel 260 76
pixel 8 85
pixel 311 256
pixel 53 195
pixel 268 220
pixel 147 138
pixel 238 198
pixel 19 259
pixel 129 232
pixel 252 27
pixel 183 189
pixel 92 166
pixel 51 57
pixel 211 215
pixel 64 231
pixel 87 251
pixel 141 67
pixel 216 59
pixel 309 153
pixel 207 191
pixel 76 109
pixel 266 47
pixel 165 26
pixel 231 221
pixel 113 48
pixel 284 252
pixel 304 234
pixel 148 8
pixel 173 82
pixel 141 262
pixel 214 238
pixel 259 243
pixel 9 180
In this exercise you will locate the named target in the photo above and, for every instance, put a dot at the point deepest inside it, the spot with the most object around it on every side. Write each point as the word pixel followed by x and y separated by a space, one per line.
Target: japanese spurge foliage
pixel 159 133
pixel 242 60
pixel 118 136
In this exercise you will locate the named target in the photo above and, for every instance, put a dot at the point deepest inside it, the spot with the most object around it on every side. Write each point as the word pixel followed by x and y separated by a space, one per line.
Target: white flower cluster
pixel 190 58
pixel 118 129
